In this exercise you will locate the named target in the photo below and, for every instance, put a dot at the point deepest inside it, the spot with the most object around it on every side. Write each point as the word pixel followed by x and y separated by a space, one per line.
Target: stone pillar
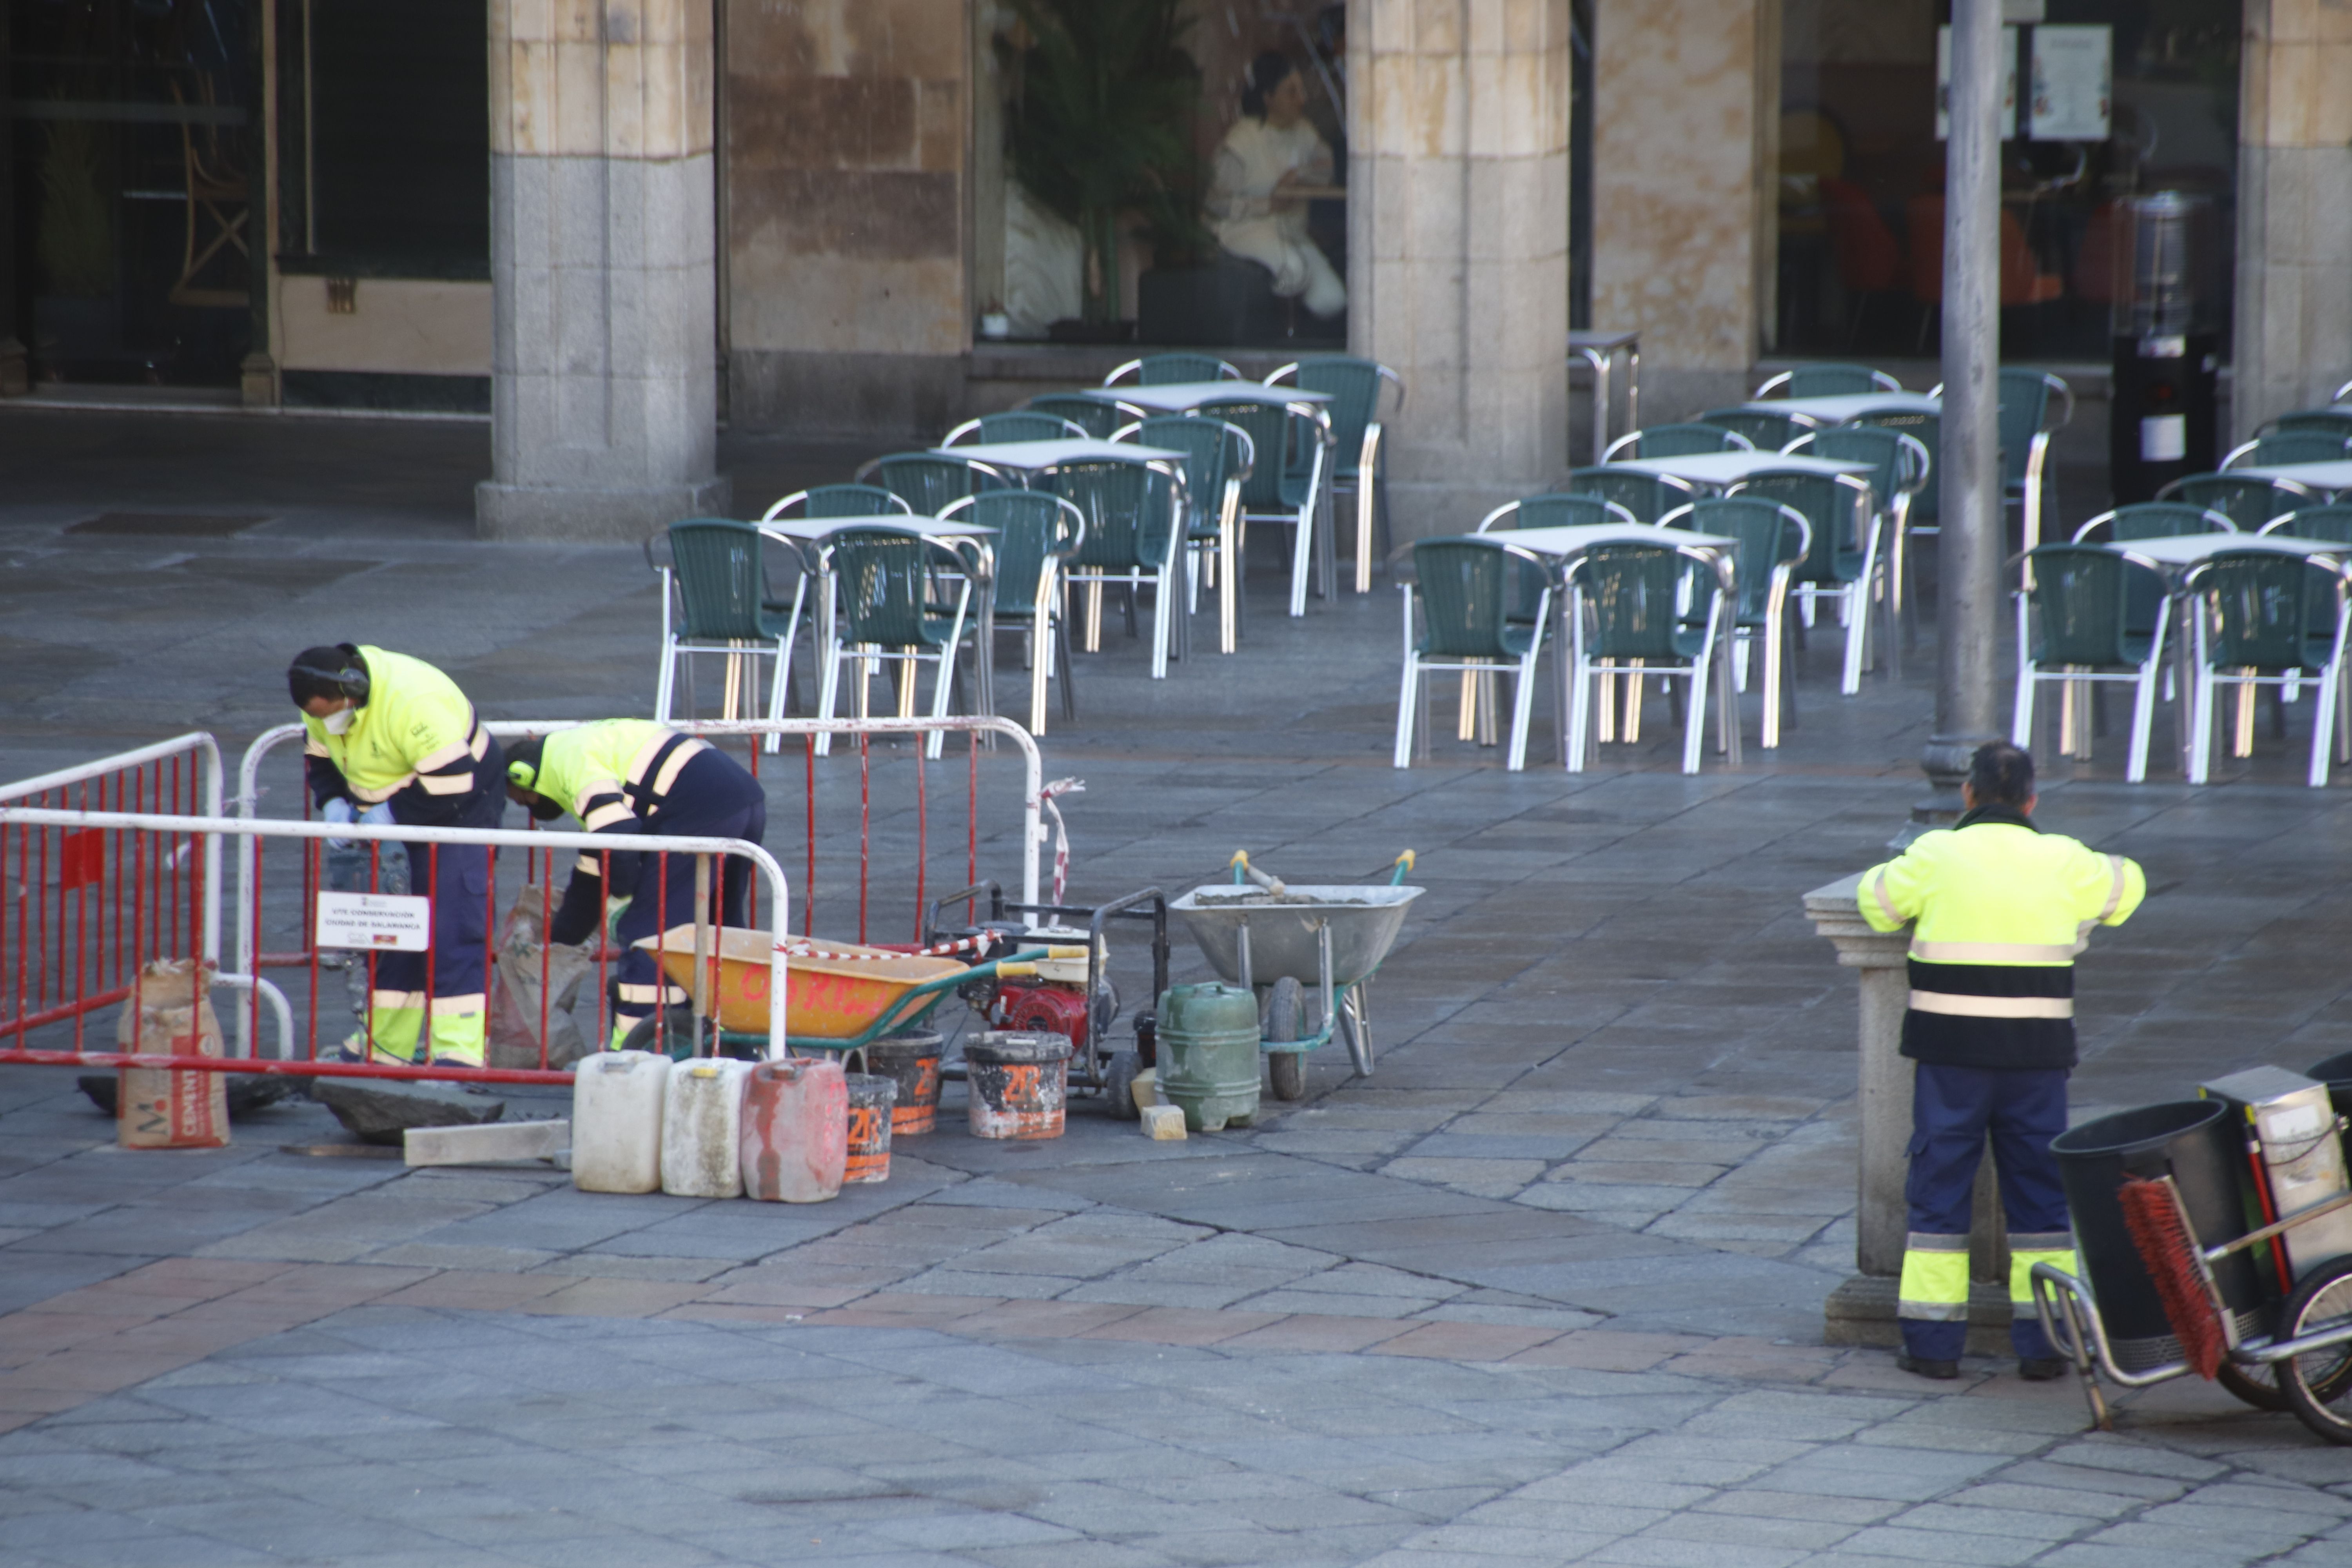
pixel 604 402
pixel 1686 180
pixel 1457 244
pixel 2293 336
pixel 14 378
pixel 1862 1310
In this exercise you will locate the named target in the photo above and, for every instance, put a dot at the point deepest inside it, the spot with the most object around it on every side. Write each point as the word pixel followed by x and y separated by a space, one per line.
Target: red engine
pixel 1042 1006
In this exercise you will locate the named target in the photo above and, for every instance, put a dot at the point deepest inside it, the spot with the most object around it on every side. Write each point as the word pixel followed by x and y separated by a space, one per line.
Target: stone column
pixel 2294 337
pixel 1862 1310
pixel 13 375
pixel 1457 244
pixel 604 402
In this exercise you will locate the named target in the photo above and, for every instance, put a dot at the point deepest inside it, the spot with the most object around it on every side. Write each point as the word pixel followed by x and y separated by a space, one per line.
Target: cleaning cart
pixel 1278 938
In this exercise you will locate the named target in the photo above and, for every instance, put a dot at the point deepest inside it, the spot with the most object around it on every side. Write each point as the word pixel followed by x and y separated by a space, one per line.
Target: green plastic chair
pixel 1216 456
pixel 1174 369
pixel 1037 534
pixel 1097 419
pixel 2248 501
pixel 2026 427
pixel 1354 386
pixel 2332 522
pixel 1678 441
pixel 1899 466
pixel 1018 425
pixel 1828 380
pixel 719 605
pixel 1765 432
pixel 2257 619
pixel 2304 445
pixel 1771 538
pixel 1843 563
pixel 887 583
pixel 2081 619
pixel 819 501
pixel 1630 602
pixel 930 485
pixel 1134 531
pixel 1547 511
pixel 2327 421
pixel 1285 486
pixel 1646 496
pixel 1463 588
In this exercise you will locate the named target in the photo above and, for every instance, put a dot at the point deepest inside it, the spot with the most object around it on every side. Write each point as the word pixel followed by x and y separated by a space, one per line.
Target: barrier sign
pixel 384 922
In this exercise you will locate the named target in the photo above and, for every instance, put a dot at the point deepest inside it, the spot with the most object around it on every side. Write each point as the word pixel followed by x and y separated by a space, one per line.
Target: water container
pixel 912 1057
pixel 703 1128
pixel 2193 1142
pixel 1019 1082
pixel 1208 1043
pixel 871 1100
pixel 795 1131
pixel 616 1121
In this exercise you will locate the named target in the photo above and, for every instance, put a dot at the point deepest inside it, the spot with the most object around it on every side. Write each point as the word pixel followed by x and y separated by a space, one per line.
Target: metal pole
pixel 1970 547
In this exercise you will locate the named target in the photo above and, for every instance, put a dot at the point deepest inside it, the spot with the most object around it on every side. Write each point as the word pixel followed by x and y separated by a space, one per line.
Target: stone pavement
pixel 1547 1287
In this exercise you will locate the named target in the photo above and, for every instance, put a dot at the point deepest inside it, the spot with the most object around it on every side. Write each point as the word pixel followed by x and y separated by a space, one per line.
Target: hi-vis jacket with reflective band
pixel 613 772
pixel 2002 911
pixel 415 727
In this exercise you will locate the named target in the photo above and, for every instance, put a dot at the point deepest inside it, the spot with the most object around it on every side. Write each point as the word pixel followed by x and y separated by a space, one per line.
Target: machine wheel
pixel 2319 1384
pixel 2257 1385
pixel 1285 1071
pixel 1119 1084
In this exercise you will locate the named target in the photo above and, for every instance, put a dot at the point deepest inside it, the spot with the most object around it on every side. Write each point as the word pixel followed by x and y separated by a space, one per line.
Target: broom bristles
pixel 2167 1247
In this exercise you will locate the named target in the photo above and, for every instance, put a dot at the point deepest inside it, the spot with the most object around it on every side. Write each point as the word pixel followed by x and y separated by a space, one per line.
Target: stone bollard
pixel 1862 1310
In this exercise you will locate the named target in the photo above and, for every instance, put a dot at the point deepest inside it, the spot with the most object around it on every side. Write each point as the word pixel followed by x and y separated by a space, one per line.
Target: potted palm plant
pixel 1101 125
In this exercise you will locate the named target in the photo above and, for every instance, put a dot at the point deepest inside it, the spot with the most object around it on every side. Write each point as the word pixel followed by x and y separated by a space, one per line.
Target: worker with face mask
pixel 627 775
pixel 383 728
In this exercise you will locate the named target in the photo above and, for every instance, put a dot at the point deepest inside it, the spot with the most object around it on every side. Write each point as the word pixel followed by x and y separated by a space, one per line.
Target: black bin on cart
pixel 2194 1143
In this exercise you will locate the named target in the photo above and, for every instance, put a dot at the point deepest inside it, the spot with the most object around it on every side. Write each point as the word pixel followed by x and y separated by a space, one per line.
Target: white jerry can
pixel 702 1125
pixel 616 1121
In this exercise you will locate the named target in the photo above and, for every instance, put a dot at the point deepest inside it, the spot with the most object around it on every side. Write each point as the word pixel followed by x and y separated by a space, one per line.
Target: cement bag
pixel 515 991
pixel 156 1108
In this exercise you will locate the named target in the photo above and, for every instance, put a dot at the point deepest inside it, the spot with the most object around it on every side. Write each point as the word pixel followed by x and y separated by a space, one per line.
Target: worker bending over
pixel 2001 908
pixel 627 775
pixel 385 729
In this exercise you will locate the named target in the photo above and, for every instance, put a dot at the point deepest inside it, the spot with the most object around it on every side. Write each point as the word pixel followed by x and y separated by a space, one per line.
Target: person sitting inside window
pixel 1270 151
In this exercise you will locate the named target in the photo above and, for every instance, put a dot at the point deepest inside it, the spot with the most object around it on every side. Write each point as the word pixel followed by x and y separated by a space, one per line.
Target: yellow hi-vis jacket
pixel 414 729
pixel 2001 908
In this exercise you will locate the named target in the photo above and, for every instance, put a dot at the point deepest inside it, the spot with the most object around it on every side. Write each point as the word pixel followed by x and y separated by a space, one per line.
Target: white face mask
pixel 339 721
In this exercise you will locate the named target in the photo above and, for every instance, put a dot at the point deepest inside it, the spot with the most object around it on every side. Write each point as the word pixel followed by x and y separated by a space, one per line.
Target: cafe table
pixel 1845 407
pixel 1720 470
pixel 2332 478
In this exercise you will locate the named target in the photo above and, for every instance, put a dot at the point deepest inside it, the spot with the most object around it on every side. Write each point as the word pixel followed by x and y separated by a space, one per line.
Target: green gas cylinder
pixel 1209 1054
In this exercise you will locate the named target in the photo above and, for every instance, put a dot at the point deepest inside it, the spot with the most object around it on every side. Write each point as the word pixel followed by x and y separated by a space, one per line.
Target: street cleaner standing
pixel 384 729
pixel 2001 908
pixel 626 775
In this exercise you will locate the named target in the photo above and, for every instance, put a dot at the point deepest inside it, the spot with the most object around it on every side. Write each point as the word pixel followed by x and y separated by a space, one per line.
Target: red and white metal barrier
pixel 130 832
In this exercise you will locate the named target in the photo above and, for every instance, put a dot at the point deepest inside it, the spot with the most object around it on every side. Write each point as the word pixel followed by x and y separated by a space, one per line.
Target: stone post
pixel 603 400
pixel 1862 1310
pixel 2293 339
pixel 1457 244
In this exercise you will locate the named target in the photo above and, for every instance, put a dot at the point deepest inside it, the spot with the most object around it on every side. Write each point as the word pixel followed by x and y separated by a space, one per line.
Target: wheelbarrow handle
pixel 1242 868
pixel 1403 870
pixel 912 1000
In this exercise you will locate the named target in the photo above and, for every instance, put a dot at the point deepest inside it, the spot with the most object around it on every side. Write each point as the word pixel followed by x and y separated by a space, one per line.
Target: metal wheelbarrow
pixel 838 996
pixel 1278 938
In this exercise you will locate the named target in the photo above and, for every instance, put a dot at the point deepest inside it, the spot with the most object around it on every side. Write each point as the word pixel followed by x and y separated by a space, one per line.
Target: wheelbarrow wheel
pixel 1285 1071
pixel 2319 1383
pixel 669 1033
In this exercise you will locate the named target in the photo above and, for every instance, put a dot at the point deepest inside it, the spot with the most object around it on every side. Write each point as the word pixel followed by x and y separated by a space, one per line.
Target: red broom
pixel 2176 1266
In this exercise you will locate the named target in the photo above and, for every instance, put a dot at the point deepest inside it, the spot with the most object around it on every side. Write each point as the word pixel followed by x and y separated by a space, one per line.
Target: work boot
pixel 1924 1367
pixel 2042 1369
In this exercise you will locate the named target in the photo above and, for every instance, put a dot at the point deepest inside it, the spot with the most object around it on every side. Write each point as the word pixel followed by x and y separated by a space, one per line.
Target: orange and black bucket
pixel 912 1057
pixel 870 1100
pixel 1019 1082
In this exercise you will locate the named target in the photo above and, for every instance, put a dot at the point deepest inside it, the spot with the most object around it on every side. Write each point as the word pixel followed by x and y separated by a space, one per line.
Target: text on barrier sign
pixel 385 921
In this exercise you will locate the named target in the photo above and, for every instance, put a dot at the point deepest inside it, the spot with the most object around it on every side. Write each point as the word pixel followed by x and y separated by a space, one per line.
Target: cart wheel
pixel 1119 1084
pixel 2257 1385
pixel 1285 1071
pixel 676 1041
pixel 2319 1383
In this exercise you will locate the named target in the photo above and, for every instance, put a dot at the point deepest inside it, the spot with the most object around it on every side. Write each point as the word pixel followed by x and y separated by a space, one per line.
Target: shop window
pixel 2115 99
pixel 1173 172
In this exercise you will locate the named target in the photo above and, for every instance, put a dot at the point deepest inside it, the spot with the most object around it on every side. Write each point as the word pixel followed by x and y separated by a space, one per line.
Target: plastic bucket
pixel 1020 1083
pixel 2195 1144
pixel 1208 1046
pixel 911 1057
pixel 2335 1072
pixel 871 1098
